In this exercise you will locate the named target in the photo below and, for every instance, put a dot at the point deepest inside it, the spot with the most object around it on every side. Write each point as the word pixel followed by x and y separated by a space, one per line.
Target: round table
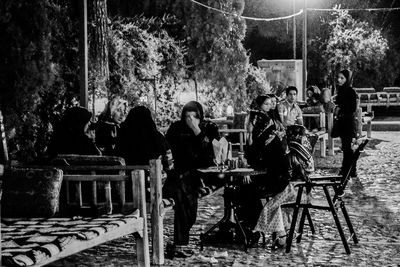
pixel 231 187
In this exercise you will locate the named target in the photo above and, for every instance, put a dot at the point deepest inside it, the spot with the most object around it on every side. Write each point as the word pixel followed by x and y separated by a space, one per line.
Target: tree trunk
pixel 98 42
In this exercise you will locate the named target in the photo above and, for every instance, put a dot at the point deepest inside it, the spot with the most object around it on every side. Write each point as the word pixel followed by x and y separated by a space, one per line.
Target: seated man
pixel 289 111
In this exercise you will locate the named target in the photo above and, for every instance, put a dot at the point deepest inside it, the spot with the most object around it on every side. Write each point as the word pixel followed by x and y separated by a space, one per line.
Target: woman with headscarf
pixel 346 101
pixel 139 140
pixel 191 144
pixel 108 125
pixel 70 136
pixel 268 151
pixel 326 101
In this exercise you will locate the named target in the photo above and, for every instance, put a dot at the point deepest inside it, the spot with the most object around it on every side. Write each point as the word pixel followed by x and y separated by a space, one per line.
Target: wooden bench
pixel 365 90
pixel 117 199
pixel 382 99
pixel 40 241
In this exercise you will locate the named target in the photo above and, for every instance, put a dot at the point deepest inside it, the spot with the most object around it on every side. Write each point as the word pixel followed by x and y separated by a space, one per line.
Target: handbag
pixel 335 132
pixel 335 128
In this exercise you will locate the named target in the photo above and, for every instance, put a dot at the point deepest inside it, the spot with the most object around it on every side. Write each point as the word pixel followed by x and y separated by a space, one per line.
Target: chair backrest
pixel 4 151
pixel 357 152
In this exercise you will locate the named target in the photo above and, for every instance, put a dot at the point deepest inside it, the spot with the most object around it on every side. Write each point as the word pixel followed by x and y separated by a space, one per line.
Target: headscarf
pixel 69 135
pixel 139 139
pixel 349 77
pixel 193 106
pixel 261 99
pixel 112 106
pixel 75 119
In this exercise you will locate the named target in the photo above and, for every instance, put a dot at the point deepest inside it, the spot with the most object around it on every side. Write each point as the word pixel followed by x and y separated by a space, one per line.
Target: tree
pixel 98 49
pixel 352 44
pixel 38 65
pixel 140 51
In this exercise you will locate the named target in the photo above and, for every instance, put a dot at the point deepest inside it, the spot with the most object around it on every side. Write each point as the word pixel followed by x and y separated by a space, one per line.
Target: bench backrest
pixel 97 181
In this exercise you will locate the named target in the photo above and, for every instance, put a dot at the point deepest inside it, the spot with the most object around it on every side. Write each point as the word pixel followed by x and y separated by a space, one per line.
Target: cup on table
pixel 233 163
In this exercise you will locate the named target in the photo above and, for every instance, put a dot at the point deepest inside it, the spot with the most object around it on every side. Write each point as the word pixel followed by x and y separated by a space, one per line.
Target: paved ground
pixel 373 201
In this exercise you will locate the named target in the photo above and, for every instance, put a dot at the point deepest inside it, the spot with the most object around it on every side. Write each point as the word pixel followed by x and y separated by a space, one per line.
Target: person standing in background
pixel 346 101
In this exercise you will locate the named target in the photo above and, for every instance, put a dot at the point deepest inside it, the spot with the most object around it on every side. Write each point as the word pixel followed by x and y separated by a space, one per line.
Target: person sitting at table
pixel 190 139
pixel 289 110
pixel 70 136
pixel 313 96
pixel 326 101
pixel 268 151
pixel 108 125
pixel 273 219
pixel 274 112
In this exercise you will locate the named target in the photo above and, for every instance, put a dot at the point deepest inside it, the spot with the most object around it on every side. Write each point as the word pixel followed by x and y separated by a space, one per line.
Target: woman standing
pixel 346 101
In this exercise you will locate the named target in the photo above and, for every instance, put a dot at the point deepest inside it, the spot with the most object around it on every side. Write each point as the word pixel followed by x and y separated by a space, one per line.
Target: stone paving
pixel 373 201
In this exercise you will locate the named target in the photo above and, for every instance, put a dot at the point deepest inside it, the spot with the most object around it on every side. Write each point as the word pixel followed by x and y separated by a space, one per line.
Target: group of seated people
pixel 317 101
pixel 275 144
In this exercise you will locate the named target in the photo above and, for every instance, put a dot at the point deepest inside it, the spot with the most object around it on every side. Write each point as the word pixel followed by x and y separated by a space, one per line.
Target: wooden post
pixel 3 139
pixel 139 202
pixel 156 211
pixel 323 139
pixel 331 143
pixel 83 53
pixel 369 124
pixel 359 121
pixel 78 194
pixel 109 204
pixel 241 141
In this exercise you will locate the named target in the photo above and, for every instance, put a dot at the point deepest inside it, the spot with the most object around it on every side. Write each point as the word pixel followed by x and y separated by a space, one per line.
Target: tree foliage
pixel 216 49
pixel 140 51
pixel 353 44
pixel 38 53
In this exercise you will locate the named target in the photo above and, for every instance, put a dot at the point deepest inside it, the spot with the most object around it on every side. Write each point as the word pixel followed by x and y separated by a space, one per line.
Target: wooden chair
pixel 338 184
pixel 322 134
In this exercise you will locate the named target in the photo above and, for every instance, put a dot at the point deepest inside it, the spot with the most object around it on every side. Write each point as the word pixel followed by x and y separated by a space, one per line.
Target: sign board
pixel 282 73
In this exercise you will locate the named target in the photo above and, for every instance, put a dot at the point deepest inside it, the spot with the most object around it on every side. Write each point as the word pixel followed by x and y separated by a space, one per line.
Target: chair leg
pixel 349 224
pixel 294 219
pixel 336 218
pixel 301 226
pixel 310 222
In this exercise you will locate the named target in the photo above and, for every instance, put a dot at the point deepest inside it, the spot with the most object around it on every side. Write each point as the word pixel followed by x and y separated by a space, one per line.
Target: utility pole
pixel 305 48
pixel 294 29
